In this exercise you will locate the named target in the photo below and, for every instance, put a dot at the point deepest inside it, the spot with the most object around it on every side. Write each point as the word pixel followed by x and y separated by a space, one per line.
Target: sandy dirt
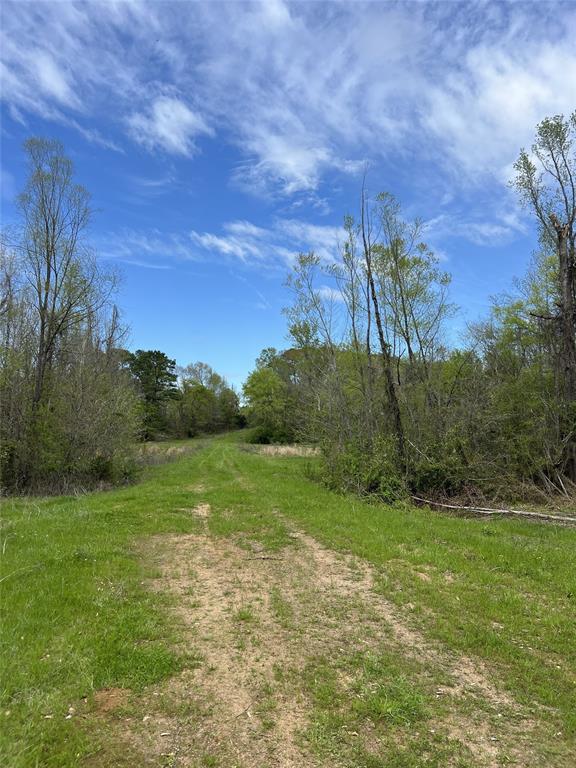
pixel 255 618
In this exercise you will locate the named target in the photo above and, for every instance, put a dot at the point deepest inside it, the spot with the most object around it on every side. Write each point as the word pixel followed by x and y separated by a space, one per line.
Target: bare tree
pixel 546 181
pixel 65 280
pixel 68 412
pixel 385 346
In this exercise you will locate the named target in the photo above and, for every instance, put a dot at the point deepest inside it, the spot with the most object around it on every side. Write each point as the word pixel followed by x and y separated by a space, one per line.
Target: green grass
pixel 384 706
pixel 77 617
pixel 245 614
pixel 75 614
pixel 281 608
pixel 384 693
pixel 504 591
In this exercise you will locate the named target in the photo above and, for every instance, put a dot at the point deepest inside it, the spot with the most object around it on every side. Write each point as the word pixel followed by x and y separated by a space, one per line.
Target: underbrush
pixel 355 468
pixel 99 473
pixel 104 473
pixel 370 470
pixel 261 435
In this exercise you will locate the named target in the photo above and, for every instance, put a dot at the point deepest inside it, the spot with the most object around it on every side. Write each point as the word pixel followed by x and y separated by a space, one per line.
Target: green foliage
pixel 68 412
pixel 268 406
pixel 444 477
pixel 368 469
pixel 77 616
pixel 155 378
pixel 197 401
pixel 483 420
pixel 495 418
pixel 202 405
pixel 154 372
pixel 206 403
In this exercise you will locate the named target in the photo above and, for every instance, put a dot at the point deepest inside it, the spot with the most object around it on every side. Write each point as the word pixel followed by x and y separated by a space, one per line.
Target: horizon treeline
pixel 179 402
pixel 369 375
pixel 73 401
pixel 396 410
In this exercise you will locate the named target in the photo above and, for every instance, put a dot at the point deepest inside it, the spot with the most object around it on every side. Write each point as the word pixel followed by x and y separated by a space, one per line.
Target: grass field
pixel 228 611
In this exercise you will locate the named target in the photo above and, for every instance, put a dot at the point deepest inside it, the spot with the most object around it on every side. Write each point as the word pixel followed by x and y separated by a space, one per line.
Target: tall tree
pixel 67 409
pixel 66 282
pixel 266 396
pixel 546 181
pixel 385 346
pixel 155 375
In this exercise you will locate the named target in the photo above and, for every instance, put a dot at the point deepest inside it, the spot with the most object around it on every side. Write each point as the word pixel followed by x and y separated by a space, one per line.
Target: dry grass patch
pixel 283 450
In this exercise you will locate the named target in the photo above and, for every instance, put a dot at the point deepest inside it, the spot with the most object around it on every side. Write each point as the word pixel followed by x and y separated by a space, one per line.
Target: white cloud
pixel 494 229
pixel 145 264
pixel 324 240
pixel 246 243
pixel 483 113
pixel 331 295
pixel 239 241
pixel 276 246
pixel 292 167
pixel 152 249
pixel 52 80
pixel 147 187
pixel 302 91
pixel 169 125
pixel 246 229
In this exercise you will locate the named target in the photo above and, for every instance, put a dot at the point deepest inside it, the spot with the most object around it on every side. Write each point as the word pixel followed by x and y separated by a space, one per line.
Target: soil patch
pixel 257 622
pixel 108 699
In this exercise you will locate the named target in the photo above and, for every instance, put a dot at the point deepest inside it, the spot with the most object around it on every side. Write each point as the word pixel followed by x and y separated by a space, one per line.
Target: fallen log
pixel 499 512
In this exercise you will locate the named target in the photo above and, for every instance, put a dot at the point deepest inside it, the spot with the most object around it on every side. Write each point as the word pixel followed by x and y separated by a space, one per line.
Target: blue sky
pixel 220 139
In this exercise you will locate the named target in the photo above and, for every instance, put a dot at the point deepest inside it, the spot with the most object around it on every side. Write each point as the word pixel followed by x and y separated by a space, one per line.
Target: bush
pixel 112 469
pixel 267 435
pixel 365 468
pixel 446 477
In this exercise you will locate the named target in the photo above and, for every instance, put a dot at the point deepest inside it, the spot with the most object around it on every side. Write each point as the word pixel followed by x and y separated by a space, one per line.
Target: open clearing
pixel 227 611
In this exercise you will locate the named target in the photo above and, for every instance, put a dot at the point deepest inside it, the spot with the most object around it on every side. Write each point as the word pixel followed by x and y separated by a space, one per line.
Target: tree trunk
pixel 567 276
pixel 393 403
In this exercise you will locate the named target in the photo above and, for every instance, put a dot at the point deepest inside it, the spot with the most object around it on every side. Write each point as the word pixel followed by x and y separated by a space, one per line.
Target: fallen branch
pixel 499 512
pixel 264 557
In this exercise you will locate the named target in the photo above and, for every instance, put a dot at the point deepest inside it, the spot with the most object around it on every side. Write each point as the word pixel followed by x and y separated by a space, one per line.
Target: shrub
pixel 363 467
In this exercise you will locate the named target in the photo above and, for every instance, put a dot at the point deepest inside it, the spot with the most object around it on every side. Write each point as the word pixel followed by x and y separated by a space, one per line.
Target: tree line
pixel 394 407
pixel 181 402
pixel 370 375
pixel 73 400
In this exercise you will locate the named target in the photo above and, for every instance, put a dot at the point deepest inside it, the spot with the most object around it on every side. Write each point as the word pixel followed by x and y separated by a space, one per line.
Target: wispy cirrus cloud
pixel 495 228
pixel 238 242
pixel 485 110
pixel 244 242
pixel 301 91
pixel 168 124
pixel 150 249
pixel 278 245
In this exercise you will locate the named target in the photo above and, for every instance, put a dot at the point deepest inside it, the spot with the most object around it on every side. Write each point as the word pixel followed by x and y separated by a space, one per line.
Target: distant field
pixel 228 611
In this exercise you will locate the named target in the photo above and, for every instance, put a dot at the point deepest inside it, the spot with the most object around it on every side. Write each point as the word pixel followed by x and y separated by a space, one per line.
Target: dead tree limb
pixel 499 512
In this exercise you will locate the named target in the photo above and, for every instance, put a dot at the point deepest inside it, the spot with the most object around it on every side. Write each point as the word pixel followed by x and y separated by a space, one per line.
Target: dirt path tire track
pixel 241 713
